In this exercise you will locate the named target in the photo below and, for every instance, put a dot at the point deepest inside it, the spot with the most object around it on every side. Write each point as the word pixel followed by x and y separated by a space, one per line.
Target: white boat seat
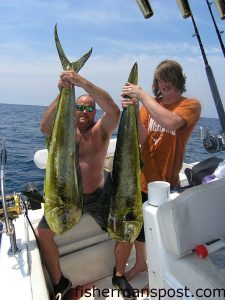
pixel 41 156
pixel 194 217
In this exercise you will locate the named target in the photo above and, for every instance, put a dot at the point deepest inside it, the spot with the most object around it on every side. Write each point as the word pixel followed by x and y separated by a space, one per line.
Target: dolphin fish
pixel 63 185
pixel 125 218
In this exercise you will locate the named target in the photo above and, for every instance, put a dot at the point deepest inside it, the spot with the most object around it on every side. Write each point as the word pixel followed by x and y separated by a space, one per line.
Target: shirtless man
pixel 93 138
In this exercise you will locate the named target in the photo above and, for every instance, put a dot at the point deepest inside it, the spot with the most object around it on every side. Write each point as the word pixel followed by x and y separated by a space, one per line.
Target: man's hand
pixel 131 90
pixel 127 100
pixel 69 78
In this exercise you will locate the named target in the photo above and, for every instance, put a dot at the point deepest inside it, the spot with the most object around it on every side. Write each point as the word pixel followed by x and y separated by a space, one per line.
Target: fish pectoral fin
pixel 77 65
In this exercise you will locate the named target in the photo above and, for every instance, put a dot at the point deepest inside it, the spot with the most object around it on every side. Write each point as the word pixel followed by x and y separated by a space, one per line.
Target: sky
pixel 119 35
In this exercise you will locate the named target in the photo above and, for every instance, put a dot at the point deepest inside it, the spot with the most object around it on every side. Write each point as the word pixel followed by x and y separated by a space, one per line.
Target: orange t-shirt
pixel 163 150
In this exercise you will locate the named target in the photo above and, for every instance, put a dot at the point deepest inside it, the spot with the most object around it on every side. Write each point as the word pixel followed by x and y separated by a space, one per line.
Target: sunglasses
pixel 88 108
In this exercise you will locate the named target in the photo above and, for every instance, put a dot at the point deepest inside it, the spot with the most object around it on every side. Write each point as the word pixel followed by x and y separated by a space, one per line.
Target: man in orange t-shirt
pixel 165 124
pixel 163 150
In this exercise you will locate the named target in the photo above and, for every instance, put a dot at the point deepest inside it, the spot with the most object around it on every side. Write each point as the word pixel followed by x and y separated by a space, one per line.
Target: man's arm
pixel 104 100
pixel 164 117
pixel 142 132
pixel 48 118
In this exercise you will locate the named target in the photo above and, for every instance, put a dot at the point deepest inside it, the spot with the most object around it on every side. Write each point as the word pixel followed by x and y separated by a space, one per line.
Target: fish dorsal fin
pixel 66 64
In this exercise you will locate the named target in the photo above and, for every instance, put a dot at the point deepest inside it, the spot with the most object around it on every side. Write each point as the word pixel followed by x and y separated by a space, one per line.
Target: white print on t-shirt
pixel 155 141
pixel 154 126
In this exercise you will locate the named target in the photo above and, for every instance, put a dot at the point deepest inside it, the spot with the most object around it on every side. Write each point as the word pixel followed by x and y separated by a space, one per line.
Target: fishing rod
pixel 216 28
pixel 212 143
pixel 10 230
pixel 220 5
pixel 145 8
pixel 12 206
pixel 3 163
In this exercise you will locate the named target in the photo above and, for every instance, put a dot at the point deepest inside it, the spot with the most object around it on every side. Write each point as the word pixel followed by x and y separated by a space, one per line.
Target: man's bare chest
pixel 87 147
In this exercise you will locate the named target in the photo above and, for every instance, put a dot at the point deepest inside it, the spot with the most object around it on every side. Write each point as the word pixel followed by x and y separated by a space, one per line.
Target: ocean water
pixel 19 127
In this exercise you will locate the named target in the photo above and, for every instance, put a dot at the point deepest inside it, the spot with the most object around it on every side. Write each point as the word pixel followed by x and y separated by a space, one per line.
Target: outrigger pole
pixel 216 28
pixel 186 12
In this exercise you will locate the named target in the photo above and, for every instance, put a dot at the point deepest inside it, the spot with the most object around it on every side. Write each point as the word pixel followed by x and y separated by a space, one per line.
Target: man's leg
pixel 50 252
pixel 140 264
pixel 122 253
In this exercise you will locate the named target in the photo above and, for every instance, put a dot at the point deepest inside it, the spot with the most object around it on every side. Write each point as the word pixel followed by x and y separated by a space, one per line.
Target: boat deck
pixel 88 253
pixel 103 289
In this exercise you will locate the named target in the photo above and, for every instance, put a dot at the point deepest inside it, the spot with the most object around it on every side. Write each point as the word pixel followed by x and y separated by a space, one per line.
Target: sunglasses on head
pixel 88 108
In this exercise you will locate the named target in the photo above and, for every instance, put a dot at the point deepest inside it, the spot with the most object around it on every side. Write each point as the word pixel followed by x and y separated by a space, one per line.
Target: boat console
pixel 173 230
